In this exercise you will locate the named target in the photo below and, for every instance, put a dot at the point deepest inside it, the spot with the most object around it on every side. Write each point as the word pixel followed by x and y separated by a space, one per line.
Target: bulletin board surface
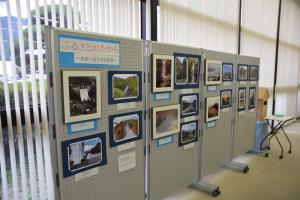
pixel 245 119
pixel 216 138
pixel 113 179
pixel 171 166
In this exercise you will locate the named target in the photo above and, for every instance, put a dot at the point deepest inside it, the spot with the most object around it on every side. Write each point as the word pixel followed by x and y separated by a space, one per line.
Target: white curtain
pixel 259 30
pixel 287 88
pixel 25 164
pixel 209 24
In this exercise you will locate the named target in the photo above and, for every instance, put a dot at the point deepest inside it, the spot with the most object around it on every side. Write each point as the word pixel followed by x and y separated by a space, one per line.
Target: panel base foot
pixel 237 166
pixel 213 190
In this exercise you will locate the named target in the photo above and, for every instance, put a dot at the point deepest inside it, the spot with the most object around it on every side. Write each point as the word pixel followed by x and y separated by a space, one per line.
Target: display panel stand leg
pixel 237 166
pixel 214 190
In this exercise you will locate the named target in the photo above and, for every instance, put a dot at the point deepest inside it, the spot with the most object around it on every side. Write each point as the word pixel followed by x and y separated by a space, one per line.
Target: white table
pixel 281 121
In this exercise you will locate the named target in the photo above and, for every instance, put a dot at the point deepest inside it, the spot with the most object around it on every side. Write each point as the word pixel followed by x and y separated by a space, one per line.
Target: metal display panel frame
pixel 104 182
pixel 216 141
pixel 245 121
pixel 170 167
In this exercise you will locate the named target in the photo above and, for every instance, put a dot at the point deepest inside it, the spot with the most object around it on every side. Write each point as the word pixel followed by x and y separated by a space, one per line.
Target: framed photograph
pixel 226 98
pixel 242 73
pixel 82 95
pixel 212 108
pixel 242 99
pixel 188 133
pixel 124 86
pixel 187 70
pixel 165 121
pixel 83 153
pixel 253 73
pixel 189 104
pixel 124 128
pixel 213 72
pixel 252 97
pixel 227 72
pixel 162 73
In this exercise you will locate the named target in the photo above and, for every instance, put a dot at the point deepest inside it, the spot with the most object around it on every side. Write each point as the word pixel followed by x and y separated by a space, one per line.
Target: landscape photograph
pixel 193 70
pixel 125 86
pixel 125 127
pixel 253 73
pixel 212 108
pixel 181 70
pixel 189 104
pixel 226 96
pixel 242 72
pixel 188 132
pixel 227 72
pixel 166 120
pixel 213 72
pixel 242 99
pixel 252 98
pixel 84 154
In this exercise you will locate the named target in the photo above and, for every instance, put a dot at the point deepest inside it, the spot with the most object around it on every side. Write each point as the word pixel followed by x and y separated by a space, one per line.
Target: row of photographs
pixel 82 92
pixel 88 152
pixel 184 71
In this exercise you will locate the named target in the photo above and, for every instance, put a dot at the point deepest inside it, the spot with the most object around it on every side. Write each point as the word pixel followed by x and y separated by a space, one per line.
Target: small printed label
pixel 211 88
pixel 79 127
pixel 162 96
pixel 86 174
pixel 225 110
pixel 127 161
pixel 126 146
pixel 243 82
pixel 227 83
pixel 187 119
pixel 189 146
pixel 186 91
pixel 210 124
pixel 252 110
pixel 122 106
pixel 253 82
pixel 242 112
pixel 165 140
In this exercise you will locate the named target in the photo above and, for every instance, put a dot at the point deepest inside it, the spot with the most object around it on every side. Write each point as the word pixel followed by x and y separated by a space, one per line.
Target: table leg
pixel 290 151
pixel 281 156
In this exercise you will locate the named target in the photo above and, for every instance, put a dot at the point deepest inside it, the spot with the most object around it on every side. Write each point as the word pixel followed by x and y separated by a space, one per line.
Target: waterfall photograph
pixel 252 98
pixel 242 99
pixel 125 86
pixel 82 100
pixel 242 72
pixel 181 70
pixel 193 70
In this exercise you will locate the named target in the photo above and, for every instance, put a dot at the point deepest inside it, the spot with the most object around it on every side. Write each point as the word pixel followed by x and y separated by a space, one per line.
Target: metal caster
pixel 245 171
pixel 216 193
pixel 290 151
pixel 266 155
pixel 280 157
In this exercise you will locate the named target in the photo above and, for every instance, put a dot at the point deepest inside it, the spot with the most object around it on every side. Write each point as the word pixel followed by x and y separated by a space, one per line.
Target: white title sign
pixel 91 52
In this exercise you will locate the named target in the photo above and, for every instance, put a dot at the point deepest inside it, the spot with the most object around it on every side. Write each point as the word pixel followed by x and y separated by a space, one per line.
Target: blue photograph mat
pixel 180 142
pixel 244 108
pixel 112 141
pixel 87 164
pixel 227 65
pixel 164 141
pixel 70 131
pixel 257 77
pixel 181 106
pixel 251 106
pixel 186 85
pixel 238 77
pixel 66 59
pixel 222 91
pixel 111 99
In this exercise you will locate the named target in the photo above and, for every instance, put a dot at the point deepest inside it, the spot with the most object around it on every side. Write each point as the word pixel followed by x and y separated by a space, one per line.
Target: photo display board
pixel 247 72
pixel 174 105
pixel 96 98
pixel 218 93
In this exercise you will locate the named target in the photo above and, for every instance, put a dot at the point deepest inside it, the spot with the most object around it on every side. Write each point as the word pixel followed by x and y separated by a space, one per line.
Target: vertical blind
pixel 287 88
pixel 259 31
pixel 25 164
pixel 209 24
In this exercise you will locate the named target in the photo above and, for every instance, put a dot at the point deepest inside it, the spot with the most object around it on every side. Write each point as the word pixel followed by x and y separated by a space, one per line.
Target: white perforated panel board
pixel 107 183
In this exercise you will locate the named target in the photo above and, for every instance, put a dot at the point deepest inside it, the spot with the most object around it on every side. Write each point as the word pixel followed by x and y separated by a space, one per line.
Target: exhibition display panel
pixel 218 92
pixel 96 103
